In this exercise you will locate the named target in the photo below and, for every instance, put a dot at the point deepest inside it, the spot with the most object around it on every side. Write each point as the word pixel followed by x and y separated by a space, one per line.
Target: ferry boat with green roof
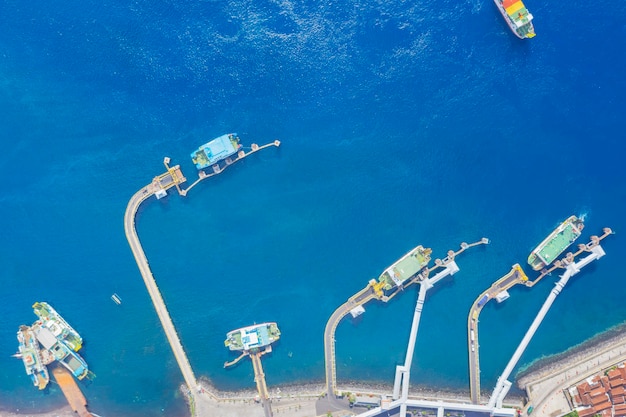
pixel 58 326
pixel 252 338
pixel 517 17
pixel 404 268
pixel 216 150
pixel 556 243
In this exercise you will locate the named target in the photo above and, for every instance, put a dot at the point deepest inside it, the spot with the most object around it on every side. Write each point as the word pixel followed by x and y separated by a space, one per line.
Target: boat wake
pixel 583 216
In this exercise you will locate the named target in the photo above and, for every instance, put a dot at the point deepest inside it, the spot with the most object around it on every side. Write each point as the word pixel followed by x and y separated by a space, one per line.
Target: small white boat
pixel 116 299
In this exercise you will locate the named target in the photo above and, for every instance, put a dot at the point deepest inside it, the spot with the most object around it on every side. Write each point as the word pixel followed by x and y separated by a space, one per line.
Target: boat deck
pixel 558 244
pixel 406 267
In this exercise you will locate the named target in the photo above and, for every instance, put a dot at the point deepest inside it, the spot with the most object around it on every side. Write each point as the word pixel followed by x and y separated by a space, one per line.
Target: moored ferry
pixel 31 357
pixel 517 17
pixel 216 150
pixel 252 337
pixel 60 351
pixel 404 268
pixel 58 326
pixel 554 245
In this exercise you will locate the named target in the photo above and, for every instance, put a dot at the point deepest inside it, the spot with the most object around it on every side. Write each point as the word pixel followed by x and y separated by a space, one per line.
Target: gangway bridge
pixel 514 277
pixel 594 251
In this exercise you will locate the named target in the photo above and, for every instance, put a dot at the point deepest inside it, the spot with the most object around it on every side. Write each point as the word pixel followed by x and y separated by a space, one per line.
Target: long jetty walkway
pixel 72 392
pixel 164 182
pixel 515 276
pixel 173 177
pixel 364 296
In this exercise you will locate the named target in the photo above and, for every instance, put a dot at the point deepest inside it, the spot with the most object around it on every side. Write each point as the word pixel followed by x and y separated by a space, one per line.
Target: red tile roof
pixel 600 399
pixel 615 373
pixel 582 389
pixel 617 382
pixel 586 412
pixel 597 392
pixel 617 391
pixel 603 406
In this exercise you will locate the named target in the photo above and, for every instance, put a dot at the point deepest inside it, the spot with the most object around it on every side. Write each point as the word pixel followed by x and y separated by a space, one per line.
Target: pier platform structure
pixel 71 391
pixel 259 378
pixel 593 251
pixel 219 167
pixel 514 277
pixel 372 291
pixel 259 375
pixel 173 177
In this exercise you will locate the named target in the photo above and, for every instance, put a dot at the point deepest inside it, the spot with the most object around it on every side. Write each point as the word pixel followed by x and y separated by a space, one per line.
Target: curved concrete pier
pixel 159 305
pixel 173 177
pixel 515 276
pixel 360 298
pixel 368 293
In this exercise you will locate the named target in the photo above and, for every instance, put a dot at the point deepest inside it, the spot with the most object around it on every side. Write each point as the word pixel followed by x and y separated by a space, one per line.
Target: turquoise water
pixel 401 124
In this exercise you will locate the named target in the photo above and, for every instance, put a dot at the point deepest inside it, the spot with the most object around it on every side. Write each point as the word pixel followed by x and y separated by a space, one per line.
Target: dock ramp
pixel 72 392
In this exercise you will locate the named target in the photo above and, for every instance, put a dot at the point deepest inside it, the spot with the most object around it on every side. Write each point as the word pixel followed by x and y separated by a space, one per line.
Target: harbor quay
pixel 412 268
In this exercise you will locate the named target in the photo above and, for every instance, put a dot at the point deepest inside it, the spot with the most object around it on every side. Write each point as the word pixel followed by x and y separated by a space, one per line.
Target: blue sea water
pixel 402 123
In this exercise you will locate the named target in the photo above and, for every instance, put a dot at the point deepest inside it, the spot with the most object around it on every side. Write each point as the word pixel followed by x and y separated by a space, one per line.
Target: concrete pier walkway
pixel 514 277
pixel 173 177
pixel 259 378
pixel 153 289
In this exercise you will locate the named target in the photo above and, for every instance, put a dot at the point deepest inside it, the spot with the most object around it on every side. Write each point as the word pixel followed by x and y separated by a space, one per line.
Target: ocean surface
pixel 402 123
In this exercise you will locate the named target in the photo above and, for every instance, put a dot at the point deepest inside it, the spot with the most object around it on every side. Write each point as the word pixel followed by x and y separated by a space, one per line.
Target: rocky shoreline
pixel 541 367
pixel 534 371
